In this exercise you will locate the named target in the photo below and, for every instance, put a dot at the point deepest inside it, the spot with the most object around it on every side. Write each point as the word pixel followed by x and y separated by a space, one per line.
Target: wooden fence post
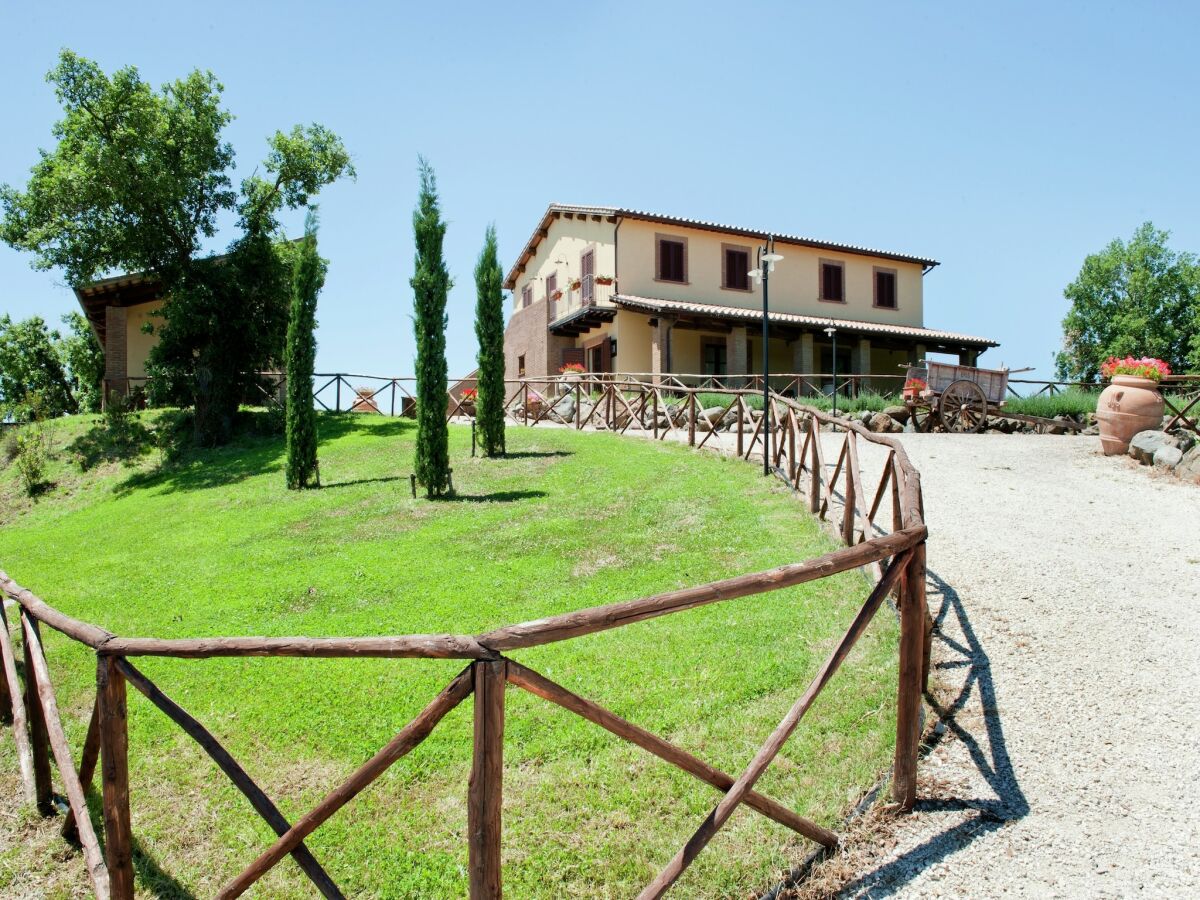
pixel 525 402
pixel 39 739
pixel 908 706
pixel 740 415
pixel 851 495
pixel 114 771
pixel 20 727
pixel 654 415
pixel 814 493
pixel 578 405
pixel 691 420
pixel 485 788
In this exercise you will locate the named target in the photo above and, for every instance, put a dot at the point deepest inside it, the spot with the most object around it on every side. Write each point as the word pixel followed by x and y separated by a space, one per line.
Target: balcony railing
pixel 590 292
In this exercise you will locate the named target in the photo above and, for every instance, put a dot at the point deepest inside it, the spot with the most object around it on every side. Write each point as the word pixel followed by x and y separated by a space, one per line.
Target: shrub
pixel 33 452
pixel 8 446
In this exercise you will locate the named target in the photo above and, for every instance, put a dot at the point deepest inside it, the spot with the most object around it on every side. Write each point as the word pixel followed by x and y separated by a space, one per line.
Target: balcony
pixel 589 292
pixel 582 307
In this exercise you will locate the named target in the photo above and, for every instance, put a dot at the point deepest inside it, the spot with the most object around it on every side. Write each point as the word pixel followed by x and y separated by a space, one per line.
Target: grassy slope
pixel 217 546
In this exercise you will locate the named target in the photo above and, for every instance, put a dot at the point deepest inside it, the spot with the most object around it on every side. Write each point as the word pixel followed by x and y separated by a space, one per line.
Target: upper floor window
pixel 833 281
pixel 551 286
pixel 587 276
pixel 526 295
pixel 885 288
pixel 735 267
pixel 672 259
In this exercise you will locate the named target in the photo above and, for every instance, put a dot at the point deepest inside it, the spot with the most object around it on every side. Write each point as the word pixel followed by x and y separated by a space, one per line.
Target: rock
pixel 1184 439
pixel 1189 466
pixel 882 423
pixel 1144 445
pixel 897 413
pixel 1167 457
pixel 865 417
pixel 710 415
pixel 1091 430
pixel 565 408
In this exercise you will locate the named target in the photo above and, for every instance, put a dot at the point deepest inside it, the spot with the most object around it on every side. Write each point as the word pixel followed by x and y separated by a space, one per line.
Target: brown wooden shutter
pixel 606 355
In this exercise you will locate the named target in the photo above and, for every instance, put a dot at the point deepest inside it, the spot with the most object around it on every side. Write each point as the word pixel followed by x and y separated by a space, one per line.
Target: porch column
pixel 968 357
pixel 735 351
pixel 803 358
pixel 116 370
pixel 862 362
pixel 918 353
pixel 660 348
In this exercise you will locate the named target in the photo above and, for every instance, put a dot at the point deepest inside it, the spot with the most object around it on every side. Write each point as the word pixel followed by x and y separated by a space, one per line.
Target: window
pixel 526 296
pixel 735 266
pixel 833 282
pixel 672 259
pixel 587 276
pixel 551 285
pixel 521 366
pixel 713 357
pixel 885 288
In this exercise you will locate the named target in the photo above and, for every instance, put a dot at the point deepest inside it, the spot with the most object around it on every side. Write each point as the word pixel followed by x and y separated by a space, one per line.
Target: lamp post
pixel 766 259
pixel 832 332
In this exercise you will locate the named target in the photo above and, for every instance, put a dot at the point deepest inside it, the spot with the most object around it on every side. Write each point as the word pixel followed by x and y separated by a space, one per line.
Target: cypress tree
pixel 430 284
pixel 489 329
pixel 300 358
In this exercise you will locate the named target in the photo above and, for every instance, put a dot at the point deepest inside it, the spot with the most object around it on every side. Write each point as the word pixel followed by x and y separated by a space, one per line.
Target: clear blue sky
pixel 1007 140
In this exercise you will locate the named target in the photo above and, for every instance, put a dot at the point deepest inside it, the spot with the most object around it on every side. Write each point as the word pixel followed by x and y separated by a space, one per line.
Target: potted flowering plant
pixel 604 279
pixel 572 372
pixel 576 284
pixel 1131 403
pixel 468 397
pixel 914 387
pixel 557 295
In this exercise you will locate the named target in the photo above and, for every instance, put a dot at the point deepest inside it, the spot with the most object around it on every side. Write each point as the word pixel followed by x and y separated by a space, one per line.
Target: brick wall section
pixel 115 366
pixel 526 335
pixel 736 361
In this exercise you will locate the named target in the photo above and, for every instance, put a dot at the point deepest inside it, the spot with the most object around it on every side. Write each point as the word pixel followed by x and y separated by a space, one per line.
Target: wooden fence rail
pixel 787 433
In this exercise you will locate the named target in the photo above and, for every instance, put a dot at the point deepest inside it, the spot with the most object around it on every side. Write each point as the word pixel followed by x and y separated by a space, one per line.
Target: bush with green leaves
pixel 301 426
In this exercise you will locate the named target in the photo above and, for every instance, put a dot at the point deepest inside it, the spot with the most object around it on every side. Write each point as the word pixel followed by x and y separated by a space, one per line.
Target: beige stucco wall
pixel 794 285
pixel 138 344
pixel 560 252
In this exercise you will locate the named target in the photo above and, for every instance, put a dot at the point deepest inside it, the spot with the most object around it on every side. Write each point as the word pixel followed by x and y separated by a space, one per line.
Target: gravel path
pixel 1067 588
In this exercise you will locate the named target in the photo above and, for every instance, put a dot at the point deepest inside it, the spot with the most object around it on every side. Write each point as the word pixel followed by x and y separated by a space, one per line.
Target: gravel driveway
pixel 1067 589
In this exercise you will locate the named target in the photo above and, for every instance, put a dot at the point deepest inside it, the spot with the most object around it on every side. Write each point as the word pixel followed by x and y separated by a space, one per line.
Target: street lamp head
pixel 756 274
pixel 831 331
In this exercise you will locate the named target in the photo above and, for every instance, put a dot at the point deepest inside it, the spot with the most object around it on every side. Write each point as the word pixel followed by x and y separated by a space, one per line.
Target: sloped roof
pixel 615 212
pixel 736 313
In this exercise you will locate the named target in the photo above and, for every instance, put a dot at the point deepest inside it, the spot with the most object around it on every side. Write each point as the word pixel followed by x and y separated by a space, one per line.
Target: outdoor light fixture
pixel 767 258
pixel 832 333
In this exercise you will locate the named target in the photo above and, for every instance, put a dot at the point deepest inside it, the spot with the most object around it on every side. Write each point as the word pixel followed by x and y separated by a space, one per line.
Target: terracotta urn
pixel 1127 406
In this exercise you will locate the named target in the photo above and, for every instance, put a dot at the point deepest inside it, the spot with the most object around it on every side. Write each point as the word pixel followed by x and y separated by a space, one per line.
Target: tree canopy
pixel 136 181
pixel 1135 298
pixel 39 366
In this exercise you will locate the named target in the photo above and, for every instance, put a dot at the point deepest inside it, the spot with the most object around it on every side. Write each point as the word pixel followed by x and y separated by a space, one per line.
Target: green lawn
pixel 215 545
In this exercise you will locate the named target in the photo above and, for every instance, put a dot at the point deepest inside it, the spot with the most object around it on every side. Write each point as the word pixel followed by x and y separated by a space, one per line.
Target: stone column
pixel 861 363
pixel 735 351
pixel 804 359
pixel 660 348
pixel 968 357
pixel 918 353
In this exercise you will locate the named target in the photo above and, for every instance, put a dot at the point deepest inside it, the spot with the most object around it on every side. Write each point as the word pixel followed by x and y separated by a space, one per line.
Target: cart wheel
pixel 924 418
pixel 963 407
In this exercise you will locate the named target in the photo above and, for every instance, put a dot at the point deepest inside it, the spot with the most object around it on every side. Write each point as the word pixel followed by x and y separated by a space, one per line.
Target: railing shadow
pixel 985 743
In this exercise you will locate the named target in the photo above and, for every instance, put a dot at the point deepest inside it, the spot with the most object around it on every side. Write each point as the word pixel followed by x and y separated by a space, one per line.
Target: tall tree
pixel 83 357
pixel 1139 298
pixel 431 283
pixel 489 330
pixel 308 278
pixel 137 179
pixel 31 367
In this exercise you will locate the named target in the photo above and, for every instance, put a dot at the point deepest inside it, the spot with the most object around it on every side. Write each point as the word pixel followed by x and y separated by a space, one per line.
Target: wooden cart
pixel 956 398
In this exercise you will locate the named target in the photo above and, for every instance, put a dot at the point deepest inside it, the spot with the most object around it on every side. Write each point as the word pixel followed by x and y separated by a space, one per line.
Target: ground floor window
pixel 713 359
pixel 521 366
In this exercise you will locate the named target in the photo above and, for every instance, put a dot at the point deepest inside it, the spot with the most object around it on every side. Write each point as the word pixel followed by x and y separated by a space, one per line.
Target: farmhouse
pixel 622 290
pixel 118 308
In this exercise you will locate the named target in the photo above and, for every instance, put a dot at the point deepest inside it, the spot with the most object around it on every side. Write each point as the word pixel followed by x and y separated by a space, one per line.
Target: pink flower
pixel 1146 367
